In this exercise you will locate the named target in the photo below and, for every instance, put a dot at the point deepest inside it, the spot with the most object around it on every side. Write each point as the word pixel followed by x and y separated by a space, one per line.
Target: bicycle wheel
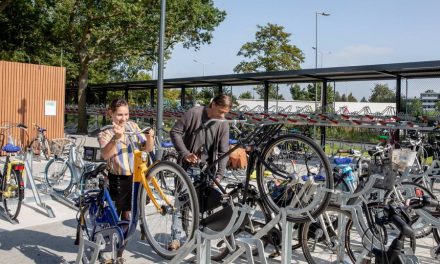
pixel 294 173
pixel 58 175
pixel 170 156
pixel 13 193
pixel 321 240
pixel 45 148
pixel 404 191
pixel 176 220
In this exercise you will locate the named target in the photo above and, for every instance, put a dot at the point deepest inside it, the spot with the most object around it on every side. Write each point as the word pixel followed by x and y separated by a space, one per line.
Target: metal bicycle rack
pixel 28 167
pixel 201 242
pixel 5 215
pixel 95 248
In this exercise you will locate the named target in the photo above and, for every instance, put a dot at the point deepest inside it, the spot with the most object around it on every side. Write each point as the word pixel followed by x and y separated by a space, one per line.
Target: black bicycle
pixel 291 172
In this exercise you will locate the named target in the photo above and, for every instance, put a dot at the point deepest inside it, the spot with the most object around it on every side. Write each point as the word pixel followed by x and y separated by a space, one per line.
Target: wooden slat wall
pixel 24 88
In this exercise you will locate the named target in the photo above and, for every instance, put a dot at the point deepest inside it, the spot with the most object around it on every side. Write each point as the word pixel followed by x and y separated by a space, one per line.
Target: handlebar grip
pixel 402 225
pixel 344 151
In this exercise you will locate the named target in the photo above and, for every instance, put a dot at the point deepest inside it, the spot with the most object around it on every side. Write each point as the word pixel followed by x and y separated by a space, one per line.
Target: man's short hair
pixel 222 100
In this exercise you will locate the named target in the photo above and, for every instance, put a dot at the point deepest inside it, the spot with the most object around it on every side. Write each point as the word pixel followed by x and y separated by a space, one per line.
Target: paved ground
pixel 40 239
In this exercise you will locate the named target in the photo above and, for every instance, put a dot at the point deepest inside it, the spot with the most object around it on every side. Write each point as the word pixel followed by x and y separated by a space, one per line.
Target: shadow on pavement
pixel 41 247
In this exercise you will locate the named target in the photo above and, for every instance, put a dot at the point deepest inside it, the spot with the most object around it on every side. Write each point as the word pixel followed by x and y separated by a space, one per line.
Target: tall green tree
pixel 113 38
pixel 351 98
pixel 382 93
pixel 246 95
pixel 298 93
pixel 344 98
pixel 415 107
pixel 363 100
pixel 271 51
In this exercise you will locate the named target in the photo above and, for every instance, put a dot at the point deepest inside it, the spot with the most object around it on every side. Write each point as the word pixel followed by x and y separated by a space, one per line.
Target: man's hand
pixel 118 130
pixel 191 158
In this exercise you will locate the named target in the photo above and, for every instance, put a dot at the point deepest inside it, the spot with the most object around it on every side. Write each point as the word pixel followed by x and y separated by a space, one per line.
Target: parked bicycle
pixel 40 144
pixel 160 190
pixel 291 172
pixel 11 180
pixel 62 174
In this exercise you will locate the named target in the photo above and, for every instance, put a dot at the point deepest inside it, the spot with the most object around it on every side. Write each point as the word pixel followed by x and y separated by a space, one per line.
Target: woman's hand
pixel 118 130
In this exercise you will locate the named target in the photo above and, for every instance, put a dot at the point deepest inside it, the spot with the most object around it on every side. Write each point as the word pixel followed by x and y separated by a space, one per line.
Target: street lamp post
pixel 316 49
pixel 316 34
pixel 322 55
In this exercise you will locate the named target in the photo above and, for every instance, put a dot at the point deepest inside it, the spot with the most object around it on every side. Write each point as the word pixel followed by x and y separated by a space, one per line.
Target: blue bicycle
pixel 161 191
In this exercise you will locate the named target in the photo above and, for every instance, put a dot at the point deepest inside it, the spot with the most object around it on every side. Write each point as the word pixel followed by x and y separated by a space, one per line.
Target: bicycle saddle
pixel 9 148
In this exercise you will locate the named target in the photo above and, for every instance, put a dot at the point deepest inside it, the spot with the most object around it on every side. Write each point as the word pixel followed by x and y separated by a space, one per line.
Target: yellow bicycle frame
pixel 10 188
pixel 141 170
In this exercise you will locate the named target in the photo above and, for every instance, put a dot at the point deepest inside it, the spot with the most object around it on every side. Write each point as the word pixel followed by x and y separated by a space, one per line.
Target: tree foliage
pixel 246 95
pixel 102 40
pixel 271 51
pixel 382 93
pixel 415 107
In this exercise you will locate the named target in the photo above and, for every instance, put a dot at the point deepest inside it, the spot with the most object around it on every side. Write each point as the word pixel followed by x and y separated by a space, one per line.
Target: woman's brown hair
pixel 117 103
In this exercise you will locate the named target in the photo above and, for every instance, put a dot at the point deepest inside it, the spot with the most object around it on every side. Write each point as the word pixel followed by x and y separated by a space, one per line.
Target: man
pixel 189 140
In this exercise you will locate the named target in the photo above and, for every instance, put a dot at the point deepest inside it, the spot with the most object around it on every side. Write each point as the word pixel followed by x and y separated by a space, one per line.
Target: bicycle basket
pixel 403 158
pixel 389 179
pixel 58 146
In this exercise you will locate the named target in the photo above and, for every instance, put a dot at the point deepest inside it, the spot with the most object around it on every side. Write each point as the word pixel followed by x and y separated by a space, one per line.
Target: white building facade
pixel 429 100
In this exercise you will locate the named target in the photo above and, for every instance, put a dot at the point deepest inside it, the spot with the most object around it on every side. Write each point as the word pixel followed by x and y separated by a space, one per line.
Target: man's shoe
pixel 174 245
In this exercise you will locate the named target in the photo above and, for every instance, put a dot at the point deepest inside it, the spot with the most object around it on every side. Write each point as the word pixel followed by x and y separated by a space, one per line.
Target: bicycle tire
pixel 313 240
pixel 162 220
pixel 426 228
pixel 276 198
pixel 45 148
pixel 57 170
pixel 170 156
pixel 16 188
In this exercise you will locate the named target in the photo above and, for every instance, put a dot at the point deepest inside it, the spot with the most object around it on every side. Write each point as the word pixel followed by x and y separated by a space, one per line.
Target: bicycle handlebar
pixel 126 132
pixel 19 125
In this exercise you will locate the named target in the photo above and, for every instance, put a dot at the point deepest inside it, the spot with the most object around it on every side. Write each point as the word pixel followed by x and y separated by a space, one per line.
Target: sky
pixel 357 32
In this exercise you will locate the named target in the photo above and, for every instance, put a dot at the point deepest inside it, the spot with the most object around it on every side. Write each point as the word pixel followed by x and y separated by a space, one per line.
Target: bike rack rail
pixel 201 242
pixel 28 167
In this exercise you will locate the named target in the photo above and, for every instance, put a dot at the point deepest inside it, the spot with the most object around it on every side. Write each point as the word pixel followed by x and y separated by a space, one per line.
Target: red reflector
pixel 19 167
pixel 419 193
pixel 21 184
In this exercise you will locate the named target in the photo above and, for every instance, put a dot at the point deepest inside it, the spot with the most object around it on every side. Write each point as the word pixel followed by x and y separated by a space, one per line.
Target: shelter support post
pixel 266 96
pixel 398 102
pixel 220 89
pixel 182 96
pixel 323 110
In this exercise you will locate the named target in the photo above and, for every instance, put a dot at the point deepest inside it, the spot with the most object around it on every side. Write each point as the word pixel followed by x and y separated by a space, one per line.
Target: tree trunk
pixel 82 98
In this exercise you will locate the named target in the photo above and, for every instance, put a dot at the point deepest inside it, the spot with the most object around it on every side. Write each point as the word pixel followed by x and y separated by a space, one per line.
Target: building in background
pixel 429 100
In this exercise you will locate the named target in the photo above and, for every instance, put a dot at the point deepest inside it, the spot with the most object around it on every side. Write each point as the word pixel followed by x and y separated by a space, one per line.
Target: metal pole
pixel 159 118
pixel 323 110
pixel 316 41
pixel 398 101
pixel 182 96
pixel 266 96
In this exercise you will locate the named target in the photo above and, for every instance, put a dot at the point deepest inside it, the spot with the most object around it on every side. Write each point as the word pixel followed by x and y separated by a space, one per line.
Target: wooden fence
pixel 31 94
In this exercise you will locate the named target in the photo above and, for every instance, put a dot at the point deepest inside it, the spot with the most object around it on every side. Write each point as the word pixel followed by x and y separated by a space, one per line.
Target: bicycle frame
pixel 141 168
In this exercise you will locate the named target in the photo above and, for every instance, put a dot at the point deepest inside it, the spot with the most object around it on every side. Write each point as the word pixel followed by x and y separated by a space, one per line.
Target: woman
pixel 118 153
